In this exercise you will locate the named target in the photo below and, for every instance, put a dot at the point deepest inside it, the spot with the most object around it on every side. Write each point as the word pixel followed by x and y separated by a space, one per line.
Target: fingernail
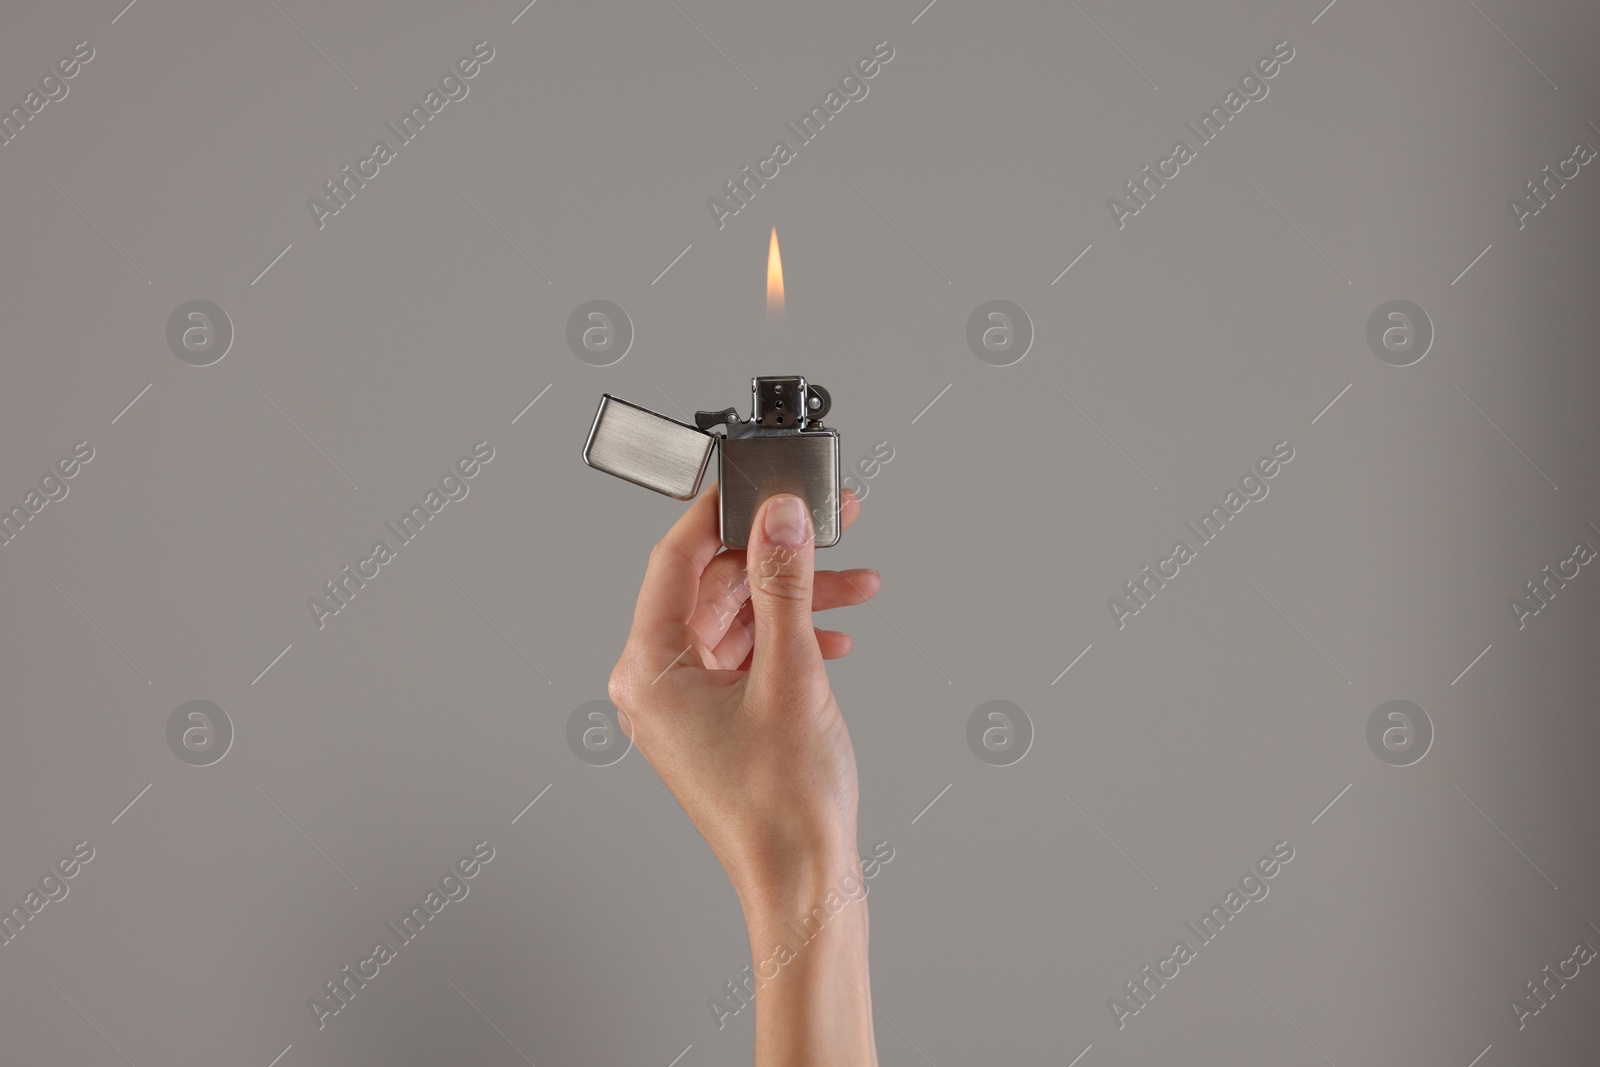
pixel 785 521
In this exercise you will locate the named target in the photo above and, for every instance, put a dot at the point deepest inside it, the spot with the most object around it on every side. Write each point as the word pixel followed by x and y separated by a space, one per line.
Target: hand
pixel 722 688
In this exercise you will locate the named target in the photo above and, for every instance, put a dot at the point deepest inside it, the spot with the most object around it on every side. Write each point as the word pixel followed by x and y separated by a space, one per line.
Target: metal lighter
pixel 782 448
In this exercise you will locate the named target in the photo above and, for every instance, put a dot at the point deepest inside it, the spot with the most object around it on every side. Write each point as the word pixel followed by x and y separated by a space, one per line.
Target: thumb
pixel 780 559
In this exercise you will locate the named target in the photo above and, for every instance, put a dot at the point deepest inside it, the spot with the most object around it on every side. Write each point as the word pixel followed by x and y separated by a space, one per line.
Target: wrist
pixel 789 884
pixel 812 919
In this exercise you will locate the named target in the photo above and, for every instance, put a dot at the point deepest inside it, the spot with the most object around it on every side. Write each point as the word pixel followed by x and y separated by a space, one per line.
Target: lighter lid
pixel 647 448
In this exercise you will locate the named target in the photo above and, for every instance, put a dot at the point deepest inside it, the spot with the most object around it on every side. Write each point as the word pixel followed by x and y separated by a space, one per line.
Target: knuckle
pixel 621 687
pixel 663 551
pixel 780 577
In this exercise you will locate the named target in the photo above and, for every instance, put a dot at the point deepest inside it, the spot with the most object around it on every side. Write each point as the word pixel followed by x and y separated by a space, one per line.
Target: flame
pixel 775 303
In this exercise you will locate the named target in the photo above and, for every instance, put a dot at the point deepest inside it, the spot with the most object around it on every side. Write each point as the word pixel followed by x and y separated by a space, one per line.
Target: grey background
pixel 1194 339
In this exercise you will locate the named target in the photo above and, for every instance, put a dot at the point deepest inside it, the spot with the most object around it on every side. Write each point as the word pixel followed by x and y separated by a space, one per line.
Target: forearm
pixel 809 945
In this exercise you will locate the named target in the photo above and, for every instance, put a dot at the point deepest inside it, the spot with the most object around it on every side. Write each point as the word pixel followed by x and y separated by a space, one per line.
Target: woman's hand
pixel 722 688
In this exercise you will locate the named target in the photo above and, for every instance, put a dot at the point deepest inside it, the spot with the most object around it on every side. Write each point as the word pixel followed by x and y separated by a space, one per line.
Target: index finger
pixel 671 585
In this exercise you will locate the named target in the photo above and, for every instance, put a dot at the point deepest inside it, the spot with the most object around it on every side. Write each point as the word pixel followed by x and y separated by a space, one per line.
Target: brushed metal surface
pixel 647 448
pixel 753 468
